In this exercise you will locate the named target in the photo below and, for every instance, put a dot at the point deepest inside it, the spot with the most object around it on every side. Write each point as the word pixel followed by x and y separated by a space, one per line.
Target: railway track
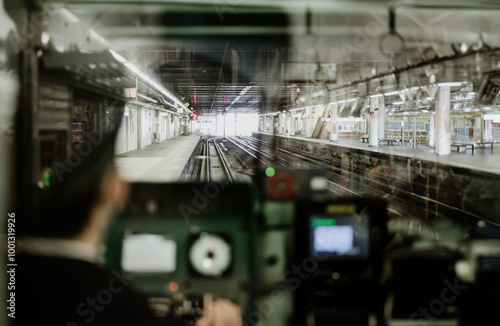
pixel 346 181
pixel 234 159
pixel 215 166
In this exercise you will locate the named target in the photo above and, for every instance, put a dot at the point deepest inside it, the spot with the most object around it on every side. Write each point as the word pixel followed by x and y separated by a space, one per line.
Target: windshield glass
pixel 285 146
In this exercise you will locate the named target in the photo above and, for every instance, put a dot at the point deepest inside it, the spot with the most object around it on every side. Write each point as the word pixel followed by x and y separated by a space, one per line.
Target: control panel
pixel 182 242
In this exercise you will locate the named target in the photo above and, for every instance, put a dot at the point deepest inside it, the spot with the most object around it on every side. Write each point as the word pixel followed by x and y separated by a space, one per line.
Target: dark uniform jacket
pixel 70 292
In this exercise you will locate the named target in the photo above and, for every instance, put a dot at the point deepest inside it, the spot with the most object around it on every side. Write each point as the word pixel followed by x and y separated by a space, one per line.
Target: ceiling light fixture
pixel 147 79
pixel 450 84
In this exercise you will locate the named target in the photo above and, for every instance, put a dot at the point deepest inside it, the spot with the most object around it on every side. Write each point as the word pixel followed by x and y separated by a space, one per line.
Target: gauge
pixel 210 255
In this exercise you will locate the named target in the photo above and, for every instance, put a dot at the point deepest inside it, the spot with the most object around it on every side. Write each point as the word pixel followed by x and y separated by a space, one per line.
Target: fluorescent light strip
pixel 450 84
pixel 391 93
pixel 398 103
pixel 236 99
pixel 146 78
pixel 118 56
pixel 132 67
pixel 376 95
pixel 307 107
pixel 343 101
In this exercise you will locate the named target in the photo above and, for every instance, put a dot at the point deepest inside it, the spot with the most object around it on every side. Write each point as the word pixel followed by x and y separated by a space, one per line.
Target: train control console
pixel 180 242
pixel 288 254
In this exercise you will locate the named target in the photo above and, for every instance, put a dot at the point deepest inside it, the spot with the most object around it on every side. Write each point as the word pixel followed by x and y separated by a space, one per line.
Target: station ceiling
pixel 263 56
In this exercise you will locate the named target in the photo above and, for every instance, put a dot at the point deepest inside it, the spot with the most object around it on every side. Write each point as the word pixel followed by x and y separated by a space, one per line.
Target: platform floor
pixel 161 162
pixel 485 159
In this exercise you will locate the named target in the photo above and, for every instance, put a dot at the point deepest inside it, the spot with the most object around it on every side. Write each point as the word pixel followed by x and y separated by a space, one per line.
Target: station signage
pixel 130 92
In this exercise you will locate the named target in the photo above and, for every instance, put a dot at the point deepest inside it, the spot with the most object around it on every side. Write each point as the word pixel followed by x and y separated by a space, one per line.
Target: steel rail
pixel 223 161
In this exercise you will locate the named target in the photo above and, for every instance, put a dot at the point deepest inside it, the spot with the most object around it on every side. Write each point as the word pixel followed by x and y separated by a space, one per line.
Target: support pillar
pixel 281 123
pixel 443 134
pixel 432 130
pixel 381 117
pixel 293 124
pixel 308 123
pixel 334 130
pixel 373 133
pixel 478 129
pixel 414 145
pixel 288 122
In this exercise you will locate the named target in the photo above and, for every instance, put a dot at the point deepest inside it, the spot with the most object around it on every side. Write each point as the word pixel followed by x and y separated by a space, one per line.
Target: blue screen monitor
pixel 334 237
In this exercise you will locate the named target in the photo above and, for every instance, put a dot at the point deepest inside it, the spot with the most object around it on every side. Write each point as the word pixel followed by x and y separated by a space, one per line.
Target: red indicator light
pixel 281 186
pixel 173 286
pixel 47 154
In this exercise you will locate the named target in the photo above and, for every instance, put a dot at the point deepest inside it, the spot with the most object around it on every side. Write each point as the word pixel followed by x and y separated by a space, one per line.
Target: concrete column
pixel 381 117
pixel 414 132
pixel 373 134
pixel 308 123
pixel 288 122
pixel 334 128
pixel 293 124
pixel 281 123
pixel 403 132
pixel 478 134
pixel 432 137
pixel 443 135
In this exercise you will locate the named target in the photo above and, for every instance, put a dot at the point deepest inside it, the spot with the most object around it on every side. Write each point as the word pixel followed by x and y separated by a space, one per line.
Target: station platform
pixel 485 159
pixel 161 162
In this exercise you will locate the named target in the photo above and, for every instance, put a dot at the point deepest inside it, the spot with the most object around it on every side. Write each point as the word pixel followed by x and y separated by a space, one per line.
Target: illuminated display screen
pixel 336 238
pixel 148 253
pixel 339 237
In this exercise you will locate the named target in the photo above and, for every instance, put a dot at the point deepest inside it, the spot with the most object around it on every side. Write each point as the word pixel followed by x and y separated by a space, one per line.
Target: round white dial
pixel 210 255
